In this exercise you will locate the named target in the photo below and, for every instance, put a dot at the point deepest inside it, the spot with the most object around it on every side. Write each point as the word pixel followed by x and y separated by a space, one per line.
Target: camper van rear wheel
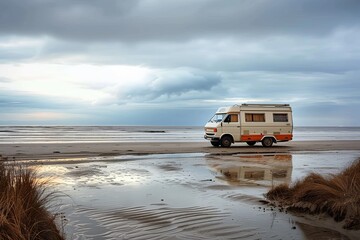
pixel 267 142
pixel 226 141
pixel 252 143
pixel 215 143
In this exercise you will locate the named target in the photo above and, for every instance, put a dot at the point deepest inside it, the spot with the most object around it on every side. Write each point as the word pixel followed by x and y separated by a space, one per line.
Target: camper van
pixel 250 123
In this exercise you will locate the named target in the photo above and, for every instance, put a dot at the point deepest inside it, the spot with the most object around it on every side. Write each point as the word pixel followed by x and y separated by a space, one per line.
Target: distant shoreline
pixel 43 151
pixel 147 134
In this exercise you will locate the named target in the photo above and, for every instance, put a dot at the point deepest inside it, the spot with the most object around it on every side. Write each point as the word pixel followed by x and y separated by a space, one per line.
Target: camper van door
pixel 231 125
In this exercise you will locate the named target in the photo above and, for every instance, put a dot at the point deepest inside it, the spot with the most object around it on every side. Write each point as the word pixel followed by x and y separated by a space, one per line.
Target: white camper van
pixel 250 123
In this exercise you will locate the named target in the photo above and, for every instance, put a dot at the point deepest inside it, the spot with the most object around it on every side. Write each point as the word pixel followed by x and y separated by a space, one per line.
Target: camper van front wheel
pixel 215 143
pixel 226 141
pixel 267 142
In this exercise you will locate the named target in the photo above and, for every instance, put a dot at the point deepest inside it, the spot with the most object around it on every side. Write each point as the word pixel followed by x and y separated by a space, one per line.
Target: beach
pixel 178 189
pixel 38 151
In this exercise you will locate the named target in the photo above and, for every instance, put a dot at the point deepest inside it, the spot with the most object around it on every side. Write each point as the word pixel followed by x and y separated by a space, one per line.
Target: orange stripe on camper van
pixel 279 137
pixel 283 137
pixel 247 138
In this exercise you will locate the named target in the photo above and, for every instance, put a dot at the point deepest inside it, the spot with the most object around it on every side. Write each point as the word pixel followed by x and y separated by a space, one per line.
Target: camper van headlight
pixel 211 129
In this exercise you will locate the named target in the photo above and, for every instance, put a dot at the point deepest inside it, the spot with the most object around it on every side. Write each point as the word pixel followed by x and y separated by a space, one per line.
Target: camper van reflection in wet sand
pixel 262 170
pixel 250 123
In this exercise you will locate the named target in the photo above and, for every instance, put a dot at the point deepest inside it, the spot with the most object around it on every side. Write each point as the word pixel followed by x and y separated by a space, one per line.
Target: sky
pixel 152 62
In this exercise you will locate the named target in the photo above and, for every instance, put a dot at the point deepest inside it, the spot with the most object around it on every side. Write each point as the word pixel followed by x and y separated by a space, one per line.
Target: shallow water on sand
pixel 188 196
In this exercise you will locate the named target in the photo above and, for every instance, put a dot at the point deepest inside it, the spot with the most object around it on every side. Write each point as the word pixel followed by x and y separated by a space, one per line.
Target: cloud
pixel 144 20
pixel 15 48
pixel 308 86
pixel 17 100
pixel 171 84
pixel 115 56
pixel 102 85
pixel 337 52
pixel 4 80
pixel 257 35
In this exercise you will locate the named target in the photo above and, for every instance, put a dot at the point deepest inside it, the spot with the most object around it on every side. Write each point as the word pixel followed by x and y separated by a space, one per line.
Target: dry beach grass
pixel 336 195
pixel 23 201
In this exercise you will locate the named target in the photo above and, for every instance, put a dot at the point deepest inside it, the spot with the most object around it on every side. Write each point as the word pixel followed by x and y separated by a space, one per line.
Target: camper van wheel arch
pixel 267 142
pixel 226 141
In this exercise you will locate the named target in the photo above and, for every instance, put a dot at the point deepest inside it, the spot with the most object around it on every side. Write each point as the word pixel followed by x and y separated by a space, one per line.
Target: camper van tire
pixel 267 142
pixel 226 141
pixel 252 143
pixel 215 143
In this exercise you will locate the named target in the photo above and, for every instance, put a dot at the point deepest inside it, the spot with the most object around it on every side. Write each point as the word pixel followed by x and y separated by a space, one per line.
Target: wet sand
pixel 183 190
pixel 188 196
pixel 71 150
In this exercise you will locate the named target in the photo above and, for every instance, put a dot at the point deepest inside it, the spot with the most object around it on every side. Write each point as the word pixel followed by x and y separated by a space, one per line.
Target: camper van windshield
pixel 218 117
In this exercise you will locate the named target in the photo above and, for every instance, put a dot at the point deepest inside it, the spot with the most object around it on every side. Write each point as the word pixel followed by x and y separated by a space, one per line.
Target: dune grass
pixel 23 202
pixel 337 195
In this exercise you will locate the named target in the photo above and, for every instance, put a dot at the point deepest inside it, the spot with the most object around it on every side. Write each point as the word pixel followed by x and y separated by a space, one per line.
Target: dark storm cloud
pixel 140 20
pixel 201 53
pixel 167 85
pixel 337 53
pixel 248 35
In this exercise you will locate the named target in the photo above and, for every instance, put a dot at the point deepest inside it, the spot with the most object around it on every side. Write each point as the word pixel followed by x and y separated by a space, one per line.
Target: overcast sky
pixel 171 62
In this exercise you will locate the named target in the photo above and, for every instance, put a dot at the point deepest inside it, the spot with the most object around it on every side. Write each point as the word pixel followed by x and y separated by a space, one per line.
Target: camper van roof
pixel 264 105
pixel 236 107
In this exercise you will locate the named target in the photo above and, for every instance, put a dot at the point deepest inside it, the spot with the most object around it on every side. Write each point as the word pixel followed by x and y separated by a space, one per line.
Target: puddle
pixel 187 196
pixel 261 170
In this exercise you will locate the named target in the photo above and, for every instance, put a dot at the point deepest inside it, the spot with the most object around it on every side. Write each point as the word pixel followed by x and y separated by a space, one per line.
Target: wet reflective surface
pixel 262 170
pixel 188 196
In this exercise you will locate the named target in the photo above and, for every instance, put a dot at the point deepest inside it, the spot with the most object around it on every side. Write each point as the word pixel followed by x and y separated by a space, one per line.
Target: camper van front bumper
pixel 211 138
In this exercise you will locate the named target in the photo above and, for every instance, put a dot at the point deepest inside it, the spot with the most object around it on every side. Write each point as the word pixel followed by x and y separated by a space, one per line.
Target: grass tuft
pixel 337 195
pixel 23 201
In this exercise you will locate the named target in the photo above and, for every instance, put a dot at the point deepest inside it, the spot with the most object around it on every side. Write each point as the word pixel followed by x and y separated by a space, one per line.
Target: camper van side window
pixel 232 118
pixel 254 117
pixel 280 117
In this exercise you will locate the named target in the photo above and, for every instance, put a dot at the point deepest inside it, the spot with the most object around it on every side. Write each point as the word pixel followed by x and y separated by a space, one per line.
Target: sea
pixel 91 134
